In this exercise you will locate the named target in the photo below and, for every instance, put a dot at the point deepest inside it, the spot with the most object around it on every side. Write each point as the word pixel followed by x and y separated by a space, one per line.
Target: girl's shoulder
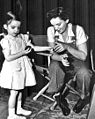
pixel 5 42
pixel 5 39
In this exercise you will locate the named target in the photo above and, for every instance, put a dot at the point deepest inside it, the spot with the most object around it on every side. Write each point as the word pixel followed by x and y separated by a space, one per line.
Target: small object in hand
pixel 51 51
pixel 28 47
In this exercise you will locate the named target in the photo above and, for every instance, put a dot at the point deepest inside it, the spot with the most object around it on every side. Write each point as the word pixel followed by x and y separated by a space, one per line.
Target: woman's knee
pixel 83 74
pixel 83 71
pixel 54 65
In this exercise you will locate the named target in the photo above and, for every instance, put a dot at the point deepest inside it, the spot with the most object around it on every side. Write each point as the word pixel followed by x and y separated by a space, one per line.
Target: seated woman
pixel 75 46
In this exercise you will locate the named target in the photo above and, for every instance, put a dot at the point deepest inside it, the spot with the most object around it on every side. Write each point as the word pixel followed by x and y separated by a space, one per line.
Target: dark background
pixel 34 19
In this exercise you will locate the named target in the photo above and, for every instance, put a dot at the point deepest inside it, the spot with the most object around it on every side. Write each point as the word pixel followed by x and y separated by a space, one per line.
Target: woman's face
pixel 13 27
pixel 59 24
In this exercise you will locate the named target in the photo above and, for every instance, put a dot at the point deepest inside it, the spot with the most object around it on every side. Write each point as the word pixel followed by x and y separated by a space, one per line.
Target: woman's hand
pixel 64 60
pixel 59 47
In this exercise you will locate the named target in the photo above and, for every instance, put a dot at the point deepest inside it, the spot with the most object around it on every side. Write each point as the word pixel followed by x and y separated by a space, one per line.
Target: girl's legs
pixel 20 110
pixel 12 104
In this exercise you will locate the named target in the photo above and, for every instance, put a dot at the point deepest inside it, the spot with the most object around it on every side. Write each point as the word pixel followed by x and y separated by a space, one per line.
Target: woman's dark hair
pixel 57 12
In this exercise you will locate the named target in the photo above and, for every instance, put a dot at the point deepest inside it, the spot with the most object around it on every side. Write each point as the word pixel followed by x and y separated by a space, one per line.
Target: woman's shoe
pixel 63 104
pixel 81 104
pixel 64 107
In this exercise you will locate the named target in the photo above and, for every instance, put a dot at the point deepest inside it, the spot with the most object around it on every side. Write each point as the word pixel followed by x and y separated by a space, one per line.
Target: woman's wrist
pixel 67 47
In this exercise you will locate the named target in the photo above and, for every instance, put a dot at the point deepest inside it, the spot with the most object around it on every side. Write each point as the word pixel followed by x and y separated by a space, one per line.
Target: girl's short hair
pixel 57 12
pixel 10 16
pixel 8 19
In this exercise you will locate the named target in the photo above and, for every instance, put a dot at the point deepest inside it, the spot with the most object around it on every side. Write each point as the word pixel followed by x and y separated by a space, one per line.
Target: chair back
pixel 40 40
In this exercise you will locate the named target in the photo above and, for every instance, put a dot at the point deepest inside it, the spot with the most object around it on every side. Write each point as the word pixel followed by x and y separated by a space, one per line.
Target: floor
pixel 41 108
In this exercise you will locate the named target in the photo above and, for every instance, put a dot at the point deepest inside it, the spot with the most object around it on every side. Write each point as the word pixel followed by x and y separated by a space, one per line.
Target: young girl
pixel 17 69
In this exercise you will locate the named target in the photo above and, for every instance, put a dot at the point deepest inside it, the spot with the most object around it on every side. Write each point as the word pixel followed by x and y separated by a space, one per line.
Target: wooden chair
pixel 42 65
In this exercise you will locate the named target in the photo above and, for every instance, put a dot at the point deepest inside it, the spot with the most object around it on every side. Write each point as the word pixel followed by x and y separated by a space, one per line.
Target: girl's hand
pixel 49 48
pixel 64 60
pixel 51 51
pixel 27 50
pixel 28 47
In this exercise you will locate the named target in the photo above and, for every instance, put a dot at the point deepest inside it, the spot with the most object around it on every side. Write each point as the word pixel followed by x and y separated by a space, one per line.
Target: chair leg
pixel 41 92
pixel 66 88
pixel 69 87
pixel 53 106
pixel 72 89
pixel 48 97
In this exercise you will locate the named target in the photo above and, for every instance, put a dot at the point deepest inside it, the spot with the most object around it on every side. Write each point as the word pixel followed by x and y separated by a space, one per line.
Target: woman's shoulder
pixel 78 27
pixel 50 29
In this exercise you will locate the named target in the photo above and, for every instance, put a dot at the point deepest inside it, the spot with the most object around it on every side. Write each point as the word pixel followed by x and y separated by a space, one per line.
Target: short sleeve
pixel 50 34
pixel 81 37
pixel 5 46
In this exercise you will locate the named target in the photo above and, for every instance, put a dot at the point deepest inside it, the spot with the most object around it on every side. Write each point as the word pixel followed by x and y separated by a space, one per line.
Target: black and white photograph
pixel 47 59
